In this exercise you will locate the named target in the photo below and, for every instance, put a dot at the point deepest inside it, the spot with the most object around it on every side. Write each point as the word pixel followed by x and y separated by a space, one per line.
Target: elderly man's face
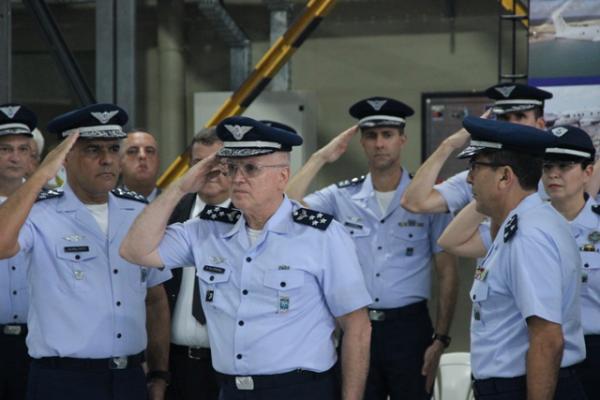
pixel 139 158
pixel 93 167
pixel 258 182
pixel 15 155
pixel 218 185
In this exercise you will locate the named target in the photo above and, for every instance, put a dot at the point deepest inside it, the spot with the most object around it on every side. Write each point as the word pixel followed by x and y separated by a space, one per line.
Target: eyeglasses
pixel 473 165
pixel 248 170
pixel 563 166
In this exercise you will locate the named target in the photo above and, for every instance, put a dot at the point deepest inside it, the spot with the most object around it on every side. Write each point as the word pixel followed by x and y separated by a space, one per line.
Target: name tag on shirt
pixel 76 249
pixel 214 270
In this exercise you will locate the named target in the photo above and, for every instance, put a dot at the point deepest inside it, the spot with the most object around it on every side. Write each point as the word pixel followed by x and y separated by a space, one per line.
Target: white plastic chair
pixel 453 381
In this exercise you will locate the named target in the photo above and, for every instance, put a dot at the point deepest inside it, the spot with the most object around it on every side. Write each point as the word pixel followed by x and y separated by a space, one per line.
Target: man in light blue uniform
pixel 395 249
pixel 16 125
pixel 513 102
pixel 87 317
pixel 274 278
pixel 526 332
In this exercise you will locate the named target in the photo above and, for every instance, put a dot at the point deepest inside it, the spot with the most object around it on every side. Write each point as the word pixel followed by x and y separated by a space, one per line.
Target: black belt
pixel 194 353
pixel 95 364
pixel 257 382
pixel 390 314
pixel 13 330
pixel 488 386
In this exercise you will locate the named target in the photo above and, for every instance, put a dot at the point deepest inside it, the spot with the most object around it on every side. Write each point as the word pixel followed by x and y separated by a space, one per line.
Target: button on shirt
pixel 270 306
pixel 586 229
pixel 85 300
pixel 457 192
pixel 394 248
pixel 535 273
pixel 14 295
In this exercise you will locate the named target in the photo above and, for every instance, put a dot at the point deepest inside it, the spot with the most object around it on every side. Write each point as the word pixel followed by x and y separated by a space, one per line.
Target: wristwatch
pixel 445 339
pixel 162 375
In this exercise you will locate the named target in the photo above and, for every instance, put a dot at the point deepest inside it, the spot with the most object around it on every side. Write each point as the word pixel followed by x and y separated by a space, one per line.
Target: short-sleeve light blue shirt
pixel 14 293
pixel 457 192
pixel 536 272
pixel 395 248
pixel 586 229
pixel 271 306
pixel 85 300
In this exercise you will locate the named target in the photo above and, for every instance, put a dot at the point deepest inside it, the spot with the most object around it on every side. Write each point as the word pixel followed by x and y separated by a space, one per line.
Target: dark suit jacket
pixel 181 213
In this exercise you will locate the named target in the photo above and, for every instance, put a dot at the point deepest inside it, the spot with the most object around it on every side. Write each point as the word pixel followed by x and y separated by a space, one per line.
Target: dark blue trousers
pixel 397 349
pixel 81 384
pixel 589 370
pixel 14 367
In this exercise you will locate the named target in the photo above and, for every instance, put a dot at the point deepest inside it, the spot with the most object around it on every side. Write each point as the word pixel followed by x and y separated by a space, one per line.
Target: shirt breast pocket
pixel 286 287
pixel 214 287
pixel 77 265
pixel 590 271
pixel 479 294
pixel 411 240
pixel 356 230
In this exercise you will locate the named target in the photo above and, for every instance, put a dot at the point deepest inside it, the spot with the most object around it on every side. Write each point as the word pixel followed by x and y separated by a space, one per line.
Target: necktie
pixel 197 311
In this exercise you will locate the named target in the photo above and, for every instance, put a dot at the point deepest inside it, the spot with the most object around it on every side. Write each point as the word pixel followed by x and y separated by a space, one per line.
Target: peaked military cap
pixel 490 135
pixel 513 97
pixel 97 121
pixel 246 137
pixel 278 125
pixel 380 111
pixel 16 119
pixel 570 143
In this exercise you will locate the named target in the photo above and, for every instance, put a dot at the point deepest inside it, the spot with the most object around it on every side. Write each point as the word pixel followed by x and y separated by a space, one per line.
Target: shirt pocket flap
pixel 479 292
pixel 284 279
pixel 410 234
pixel 211 277
pixel 75 253
pixel 356 230
pixel 590 260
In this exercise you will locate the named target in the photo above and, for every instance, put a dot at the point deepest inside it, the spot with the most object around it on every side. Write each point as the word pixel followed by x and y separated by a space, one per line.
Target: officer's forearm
pixel 446 268
pixel 546 345
pixel 141 242
pixel 299 183
pixel 420 196
pixel 14 212
pixel 461 237
pixel 158 327
pixel 356 345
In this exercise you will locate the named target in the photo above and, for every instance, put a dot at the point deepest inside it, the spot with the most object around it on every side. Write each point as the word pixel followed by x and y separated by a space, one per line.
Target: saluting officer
pixel 395 249
pixel 526 332
pixel 16 125
pixel 568 167
pixel 87 317
pixel 513 102
pixel 273 278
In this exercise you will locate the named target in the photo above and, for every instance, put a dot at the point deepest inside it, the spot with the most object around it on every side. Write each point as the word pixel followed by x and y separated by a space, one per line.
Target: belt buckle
pixel 12 330
pixel 244 383
pixel 118 363
pixel 376 315
pixel 191 353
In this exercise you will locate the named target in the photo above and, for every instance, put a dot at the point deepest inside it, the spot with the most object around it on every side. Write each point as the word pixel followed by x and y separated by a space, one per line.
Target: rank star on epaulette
pixel 351 182
pixel 312 218
pixel 49 194
pixel 511 227
pixel 221 214
pixel 128 194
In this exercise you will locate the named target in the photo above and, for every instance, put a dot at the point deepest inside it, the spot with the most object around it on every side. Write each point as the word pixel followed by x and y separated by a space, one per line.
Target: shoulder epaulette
pixel 128 194
pixel 596 209
pixel 511 227
pixel 313 218
pixel 221 214
pixel 351 182
pixel 46 194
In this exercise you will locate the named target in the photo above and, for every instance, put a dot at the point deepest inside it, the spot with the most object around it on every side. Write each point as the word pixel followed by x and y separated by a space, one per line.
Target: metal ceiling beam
pixel 64 58
pixel 5 51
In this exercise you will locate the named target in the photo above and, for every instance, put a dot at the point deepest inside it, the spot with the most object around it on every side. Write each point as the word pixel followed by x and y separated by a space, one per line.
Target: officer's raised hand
pixel 197 176
pixel 55 159
pixel 337 146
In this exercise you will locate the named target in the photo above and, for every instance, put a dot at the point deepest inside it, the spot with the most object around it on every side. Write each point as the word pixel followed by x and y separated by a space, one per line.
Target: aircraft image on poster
pixel 564 30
